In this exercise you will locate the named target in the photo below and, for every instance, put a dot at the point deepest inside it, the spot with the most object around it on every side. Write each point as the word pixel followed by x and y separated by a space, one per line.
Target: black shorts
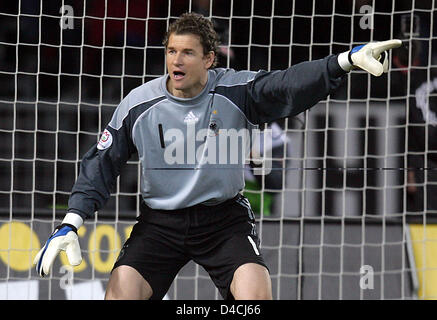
pixel 219 238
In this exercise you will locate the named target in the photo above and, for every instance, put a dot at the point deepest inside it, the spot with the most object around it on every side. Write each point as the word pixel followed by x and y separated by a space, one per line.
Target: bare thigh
pixel 251 281
pixel 126 283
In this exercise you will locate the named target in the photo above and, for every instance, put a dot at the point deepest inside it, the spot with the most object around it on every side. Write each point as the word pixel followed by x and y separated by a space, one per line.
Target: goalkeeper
pixel 189 214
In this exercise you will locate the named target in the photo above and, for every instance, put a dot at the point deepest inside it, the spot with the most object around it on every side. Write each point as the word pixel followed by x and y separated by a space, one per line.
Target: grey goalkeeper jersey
pixel 184 159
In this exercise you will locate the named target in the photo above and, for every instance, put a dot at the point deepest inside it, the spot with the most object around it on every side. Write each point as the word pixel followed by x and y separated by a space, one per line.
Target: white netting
pixel 337 200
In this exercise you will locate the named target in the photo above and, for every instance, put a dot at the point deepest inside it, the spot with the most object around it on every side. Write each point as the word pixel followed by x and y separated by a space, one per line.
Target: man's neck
pixel 189 92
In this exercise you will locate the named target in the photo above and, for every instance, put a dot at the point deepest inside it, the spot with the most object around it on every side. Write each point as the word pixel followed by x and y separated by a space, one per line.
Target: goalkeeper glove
pixel 64 237
pixel 371 57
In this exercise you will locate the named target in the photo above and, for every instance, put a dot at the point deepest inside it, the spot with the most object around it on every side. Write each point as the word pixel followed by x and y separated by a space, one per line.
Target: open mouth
pixel 177 75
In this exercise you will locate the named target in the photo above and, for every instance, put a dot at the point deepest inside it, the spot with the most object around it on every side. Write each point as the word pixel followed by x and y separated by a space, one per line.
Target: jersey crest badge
pixel 214 127
pixel 105 140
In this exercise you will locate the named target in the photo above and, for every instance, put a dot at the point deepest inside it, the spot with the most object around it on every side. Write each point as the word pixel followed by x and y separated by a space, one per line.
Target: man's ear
pixel 209 59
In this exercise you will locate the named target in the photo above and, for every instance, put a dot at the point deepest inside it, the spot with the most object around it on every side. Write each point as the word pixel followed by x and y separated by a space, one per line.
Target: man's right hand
pixel 64 237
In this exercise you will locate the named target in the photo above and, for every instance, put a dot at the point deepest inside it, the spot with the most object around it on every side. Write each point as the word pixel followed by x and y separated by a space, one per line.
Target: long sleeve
pixel 280 94
pixel 100 168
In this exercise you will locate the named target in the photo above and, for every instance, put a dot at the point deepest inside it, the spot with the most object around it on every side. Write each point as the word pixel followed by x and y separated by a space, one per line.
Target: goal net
pixel 347 210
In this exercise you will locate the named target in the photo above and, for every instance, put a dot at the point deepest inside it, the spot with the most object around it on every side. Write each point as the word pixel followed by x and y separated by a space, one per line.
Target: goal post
pixel 334 215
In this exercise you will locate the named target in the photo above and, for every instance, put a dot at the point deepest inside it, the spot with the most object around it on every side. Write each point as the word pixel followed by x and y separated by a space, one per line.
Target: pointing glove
pixel 371 57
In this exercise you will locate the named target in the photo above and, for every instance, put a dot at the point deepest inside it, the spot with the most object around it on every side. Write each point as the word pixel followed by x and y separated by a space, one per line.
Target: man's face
pixel 187 65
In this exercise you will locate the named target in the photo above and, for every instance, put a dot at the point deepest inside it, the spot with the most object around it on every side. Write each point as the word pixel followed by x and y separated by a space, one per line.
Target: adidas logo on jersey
pixel 191 118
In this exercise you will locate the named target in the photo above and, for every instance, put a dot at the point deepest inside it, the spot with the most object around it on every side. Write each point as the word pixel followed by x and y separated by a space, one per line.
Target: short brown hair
pixel 194 23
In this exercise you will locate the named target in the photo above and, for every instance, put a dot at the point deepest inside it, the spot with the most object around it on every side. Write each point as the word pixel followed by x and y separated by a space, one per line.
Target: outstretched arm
pixel 280 94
